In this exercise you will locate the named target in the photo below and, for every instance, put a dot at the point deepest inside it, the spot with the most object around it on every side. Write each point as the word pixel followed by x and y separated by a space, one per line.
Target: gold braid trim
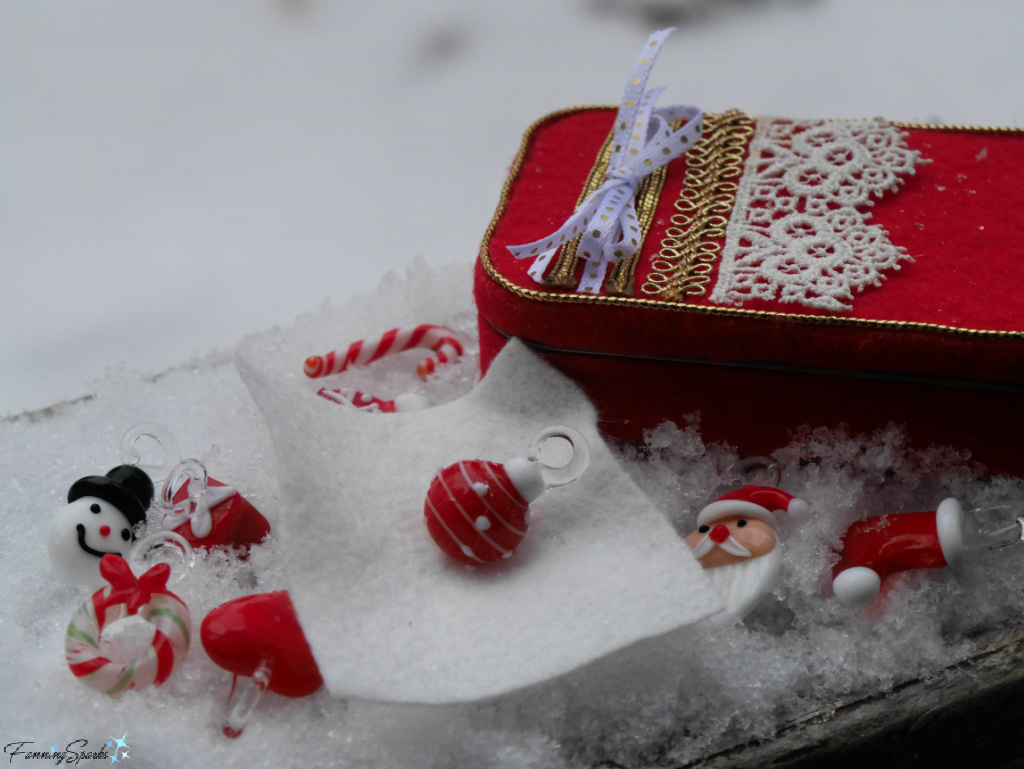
pixel 987 129
pixel 563 274
pixel 691 245
pixel 620 282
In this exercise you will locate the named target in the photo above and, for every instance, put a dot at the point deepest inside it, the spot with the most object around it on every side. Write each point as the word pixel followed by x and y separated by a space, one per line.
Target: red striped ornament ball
pixel 475 513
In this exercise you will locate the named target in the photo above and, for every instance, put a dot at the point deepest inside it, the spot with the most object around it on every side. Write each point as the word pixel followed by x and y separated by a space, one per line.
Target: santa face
pixel 731 540
pixel 742 559
pixel 81 533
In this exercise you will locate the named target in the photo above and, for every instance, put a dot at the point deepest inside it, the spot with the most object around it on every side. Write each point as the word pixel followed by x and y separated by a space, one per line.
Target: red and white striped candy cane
pixel 365 402
pixel 437 338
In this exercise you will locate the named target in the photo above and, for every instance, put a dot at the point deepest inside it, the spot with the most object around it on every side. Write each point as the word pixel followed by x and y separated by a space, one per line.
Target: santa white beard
pixel 741 586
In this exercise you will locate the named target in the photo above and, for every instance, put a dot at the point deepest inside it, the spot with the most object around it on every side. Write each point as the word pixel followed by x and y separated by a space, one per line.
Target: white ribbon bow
pixel 199 501
pixel 643 142
pixel 197 510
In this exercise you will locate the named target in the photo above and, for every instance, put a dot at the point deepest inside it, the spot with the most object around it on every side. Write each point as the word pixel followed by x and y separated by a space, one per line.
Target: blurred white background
pixel 174 175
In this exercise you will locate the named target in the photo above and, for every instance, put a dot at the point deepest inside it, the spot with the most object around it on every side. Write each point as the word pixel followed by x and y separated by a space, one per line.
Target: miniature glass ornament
pixel 440 340
pixel 478 511
pixel 875 548
pixel 132 634
pixel 736 543
pixel 99 519
pixel 162 547
pixel 400 404
pixel 104 512
pixel 208 513
pixel 258 639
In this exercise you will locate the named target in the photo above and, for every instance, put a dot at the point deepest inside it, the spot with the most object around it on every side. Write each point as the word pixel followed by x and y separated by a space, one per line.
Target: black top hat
pixel 127 488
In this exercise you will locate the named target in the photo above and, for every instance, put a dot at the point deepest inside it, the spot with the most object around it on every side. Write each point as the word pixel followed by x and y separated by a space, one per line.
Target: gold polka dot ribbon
pixel 642 142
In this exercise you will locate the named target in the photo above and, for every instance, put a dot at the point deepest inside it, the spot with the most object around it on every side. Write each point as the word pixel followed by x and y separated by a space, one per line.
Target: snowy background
pixel 176 175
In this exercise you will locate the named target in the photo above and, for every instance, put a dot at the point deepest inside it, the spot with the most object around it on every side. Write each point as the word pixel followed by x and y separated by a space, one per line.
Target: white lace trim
pixel 797 232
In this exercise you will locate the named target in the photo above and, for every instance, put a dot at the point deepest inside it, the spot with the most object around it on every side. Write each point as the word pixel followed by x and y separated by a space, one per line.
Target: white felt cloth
pixel 390 617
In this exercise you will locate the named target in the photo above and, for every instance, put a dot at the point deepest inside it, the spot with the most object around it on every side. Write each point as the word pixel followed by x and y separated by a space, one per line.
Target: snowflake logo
pixel 117 744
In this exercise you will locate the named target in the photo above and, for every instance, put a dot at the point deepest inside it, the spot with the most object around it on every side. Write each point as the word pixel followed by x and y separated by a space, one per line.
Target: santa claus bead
pixel 736 543
pixel 477 511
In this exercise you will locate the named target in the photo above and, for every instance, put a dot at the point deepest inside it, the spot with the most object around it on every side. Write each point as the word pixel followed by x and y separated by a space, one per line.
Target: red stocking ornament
pixel 877 547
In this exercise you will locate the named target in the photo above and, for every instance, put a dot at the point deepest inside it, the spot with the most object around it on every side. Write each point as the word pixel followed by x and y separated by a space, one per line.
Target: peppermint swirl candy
pixel 105 621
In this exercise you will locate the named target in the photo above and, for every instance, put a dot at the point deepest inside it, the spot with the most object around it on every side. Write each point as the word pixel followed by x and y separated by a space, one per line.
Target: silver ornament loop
pixel 194 507
pixel 162 547
pixel 166 445
pixel 758 471
pixel 556 475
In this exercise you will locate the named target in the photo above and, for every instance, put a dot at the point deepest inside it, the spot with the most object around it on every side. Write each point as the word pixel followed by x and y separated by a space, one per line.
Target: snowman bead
pixel 81 533
pixel 99 519
pixel 477 511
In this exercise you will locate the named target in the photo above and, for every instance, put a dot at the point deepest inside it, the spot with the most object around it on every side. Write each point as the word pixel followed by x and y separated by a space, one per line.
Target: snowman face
pixel 82 533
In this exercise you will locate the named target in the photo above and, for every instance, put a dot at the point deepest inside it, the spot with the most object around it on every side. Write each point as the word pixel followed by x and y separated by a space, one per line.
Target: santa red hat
pixel 760 502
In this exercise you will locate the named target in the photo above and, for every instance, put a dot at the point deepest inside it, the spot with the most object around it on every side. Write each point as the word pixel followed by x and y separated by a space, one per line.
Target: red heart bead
pixel 240 634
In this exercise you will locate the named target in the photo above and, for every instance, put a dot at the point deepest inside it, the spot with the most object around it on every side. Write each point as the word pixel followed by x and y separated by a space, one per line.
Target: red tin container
pixel 717 314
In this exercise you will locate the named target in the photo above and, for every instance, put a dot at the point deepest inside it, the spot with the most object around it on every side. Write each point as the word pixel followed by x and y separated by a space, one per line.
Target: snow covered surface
pixel 389 616
pixel 671 699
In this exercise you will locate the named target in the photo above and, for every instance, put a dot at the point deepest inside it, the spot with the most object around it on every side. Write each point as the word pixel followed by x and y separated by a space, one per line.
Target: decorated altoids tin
pixel 767 272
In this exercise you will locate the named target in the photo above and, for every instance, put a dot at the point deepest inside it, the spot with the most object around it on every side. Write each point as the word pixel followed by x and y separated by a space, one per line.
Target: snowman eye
pixel 704 529
pixel 741 522
pixel 94 508
pixel 126 535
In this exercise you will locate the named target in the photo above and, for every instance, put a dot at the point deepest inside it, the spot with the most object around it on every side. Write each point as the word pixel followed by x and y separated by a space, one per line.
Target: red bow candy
pixel 126 589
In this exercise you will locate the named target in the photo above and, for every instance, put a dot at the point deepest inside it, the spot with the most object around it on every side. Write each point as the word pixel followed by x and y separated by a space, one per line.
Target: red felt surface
pixel 760 410
pixel 961 217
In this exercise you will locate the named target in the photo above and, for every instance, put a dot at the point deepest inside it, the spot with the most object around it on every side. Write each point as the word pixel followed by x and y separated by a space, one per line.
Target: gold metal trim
pixel 736 312
pixel 620 282
pixel 691 246
pixel 563 274
pixel 972 128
